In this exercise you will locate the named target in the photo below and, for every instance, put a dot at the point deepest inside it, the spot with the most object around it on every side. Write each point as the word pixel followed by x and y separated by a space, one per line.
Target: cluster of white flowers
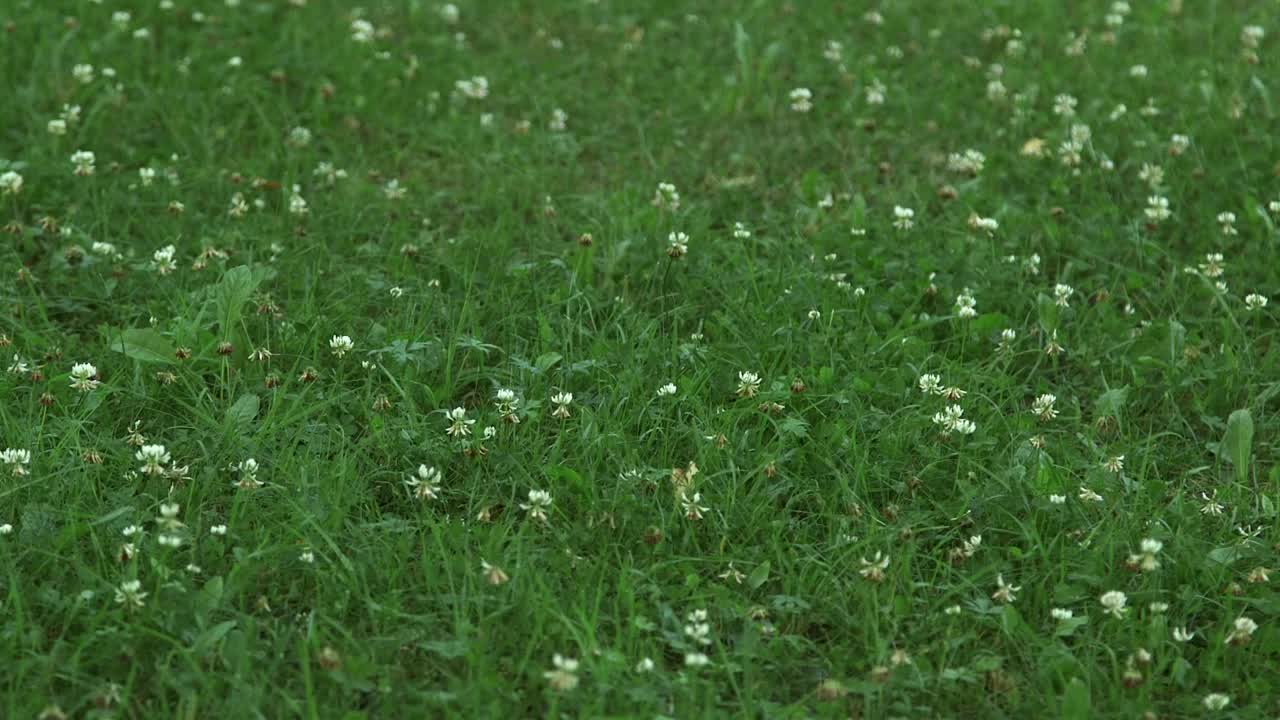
pixel 969 162
pixel 17 460
pixel 666 197
pixel 801 100
pixel 475 88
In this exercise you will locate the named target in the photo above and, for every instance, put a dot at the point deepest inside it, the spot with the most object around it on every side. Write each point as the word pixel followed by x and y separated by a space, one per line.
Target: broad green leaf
pixel 546 361
pixel 1048 312
pixel 206 641
pixel 1111 403
pixel 232 292
pixel 794 426
pixel 243 411
pixel 987 323
pixel 742 51
pixel 759 576
pixel 209 597
pixel 1177 341
pixel 1075 701
pixel 1238 442
pixel 1225 555
pixel 144 345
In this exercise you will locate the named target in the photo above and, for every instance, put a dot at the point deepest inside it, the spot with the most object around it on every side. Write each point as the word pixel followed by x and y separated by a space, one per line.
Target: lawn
pixel 639 359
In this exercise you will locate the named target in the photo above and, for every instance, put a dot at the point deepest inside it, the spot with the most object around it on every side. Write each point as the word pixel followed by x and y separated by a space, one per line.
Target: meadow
pixel 639 359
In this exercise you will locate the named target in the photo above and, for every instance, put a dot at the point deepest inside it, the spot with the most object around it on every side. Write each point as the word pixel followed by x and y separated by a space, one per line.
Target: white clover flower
pixel 1146 560
pixel 1241 631
pixel 1088 495
pixel 951 420
pixel 969 162
pixel 666 197
pixel 903 217
pixel 492 573
pixel 459 424
pixel 1005 592
pixel 561 400
pixel 248 469
pixel 299 137
pixel 875 92
pixel 563 677
pixel 559 120
pixel 362 31
pixel 10 182
pixel 393 190
pixel 873 569
pixel 298 204
pixel 930 384
pixel 696 659
pixel 693 509
pixel 1157 209
pixel 538 505
pixel 697 628
pixel 163 261
pixel 83 160
pixel 17 459
pixel 152 457
pixel 83 73
pixel 84 377
pixel 678 245
pixel 476 88
pixel 1152 175
pixel 801 100
pixel 1216 701
pixel 1113 603
pixel 1254 301
pixel 989 225
pixel 1212 266
pixel 667 390
pixel 426 484
pixel 1043 407
pixel 130 594
pixel 748 384
pixel 340 345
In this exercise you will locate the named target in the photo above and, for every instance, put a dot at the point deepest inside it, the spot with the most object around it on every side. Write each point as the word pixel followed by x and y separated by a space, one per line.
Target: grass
pixel 796 527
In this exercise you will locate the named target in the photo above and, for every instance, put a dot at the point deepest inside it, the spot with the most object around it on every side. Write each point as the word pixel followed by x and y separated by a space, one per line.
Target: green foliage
pixel 308 540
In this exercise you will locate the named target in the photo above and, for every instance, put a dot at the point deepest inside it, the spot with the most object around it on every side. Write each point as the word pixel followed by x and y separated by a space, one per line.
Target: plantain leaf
pixel 1238 442
pixel 144 345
